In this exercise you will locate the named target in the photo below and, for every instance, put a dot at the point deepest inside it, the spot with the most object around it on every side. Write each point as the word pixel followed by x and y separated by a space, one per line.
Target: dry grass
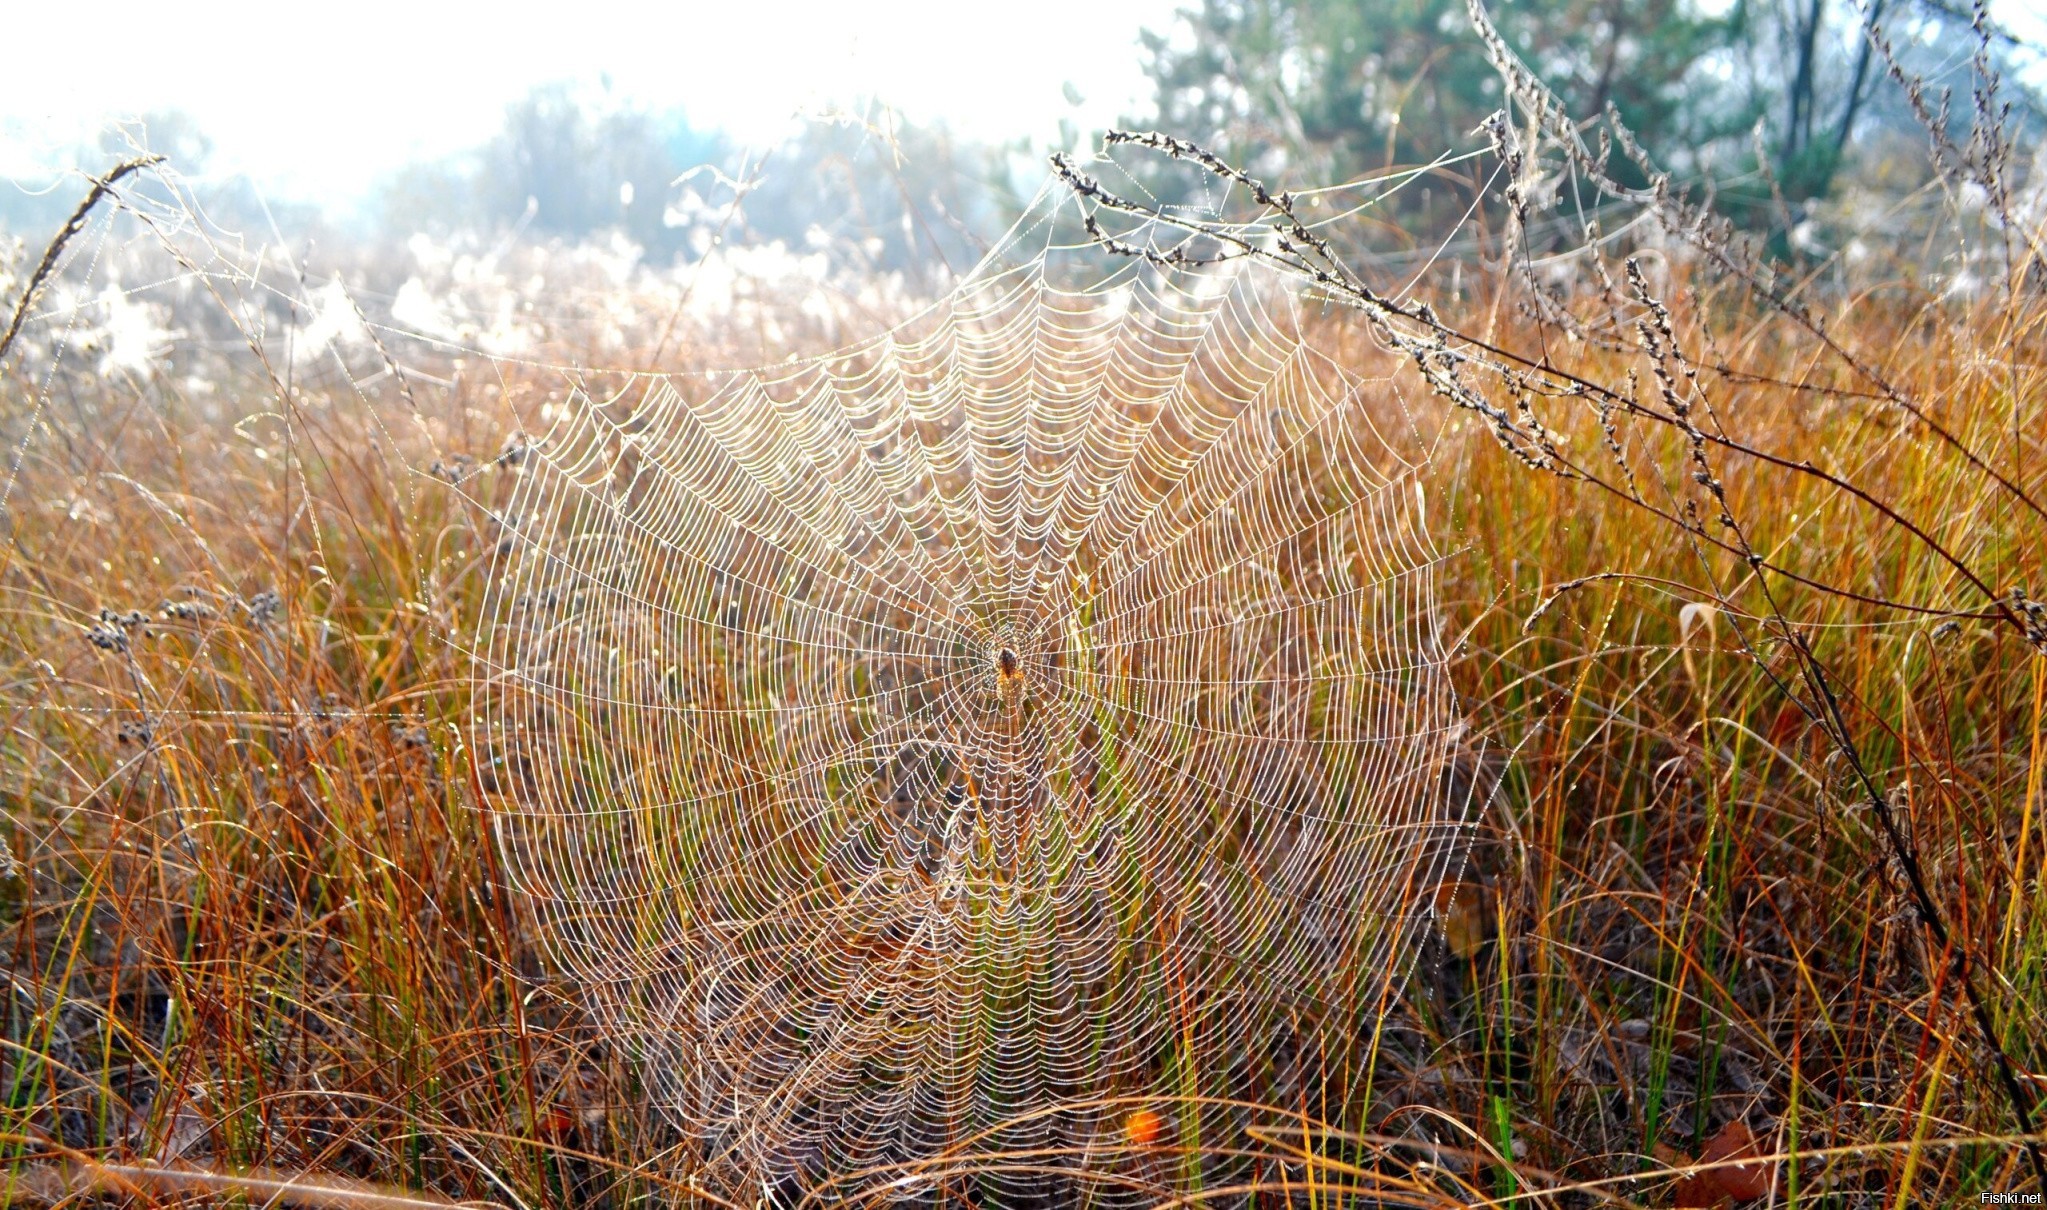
pixel 1687 918
pixel 255 926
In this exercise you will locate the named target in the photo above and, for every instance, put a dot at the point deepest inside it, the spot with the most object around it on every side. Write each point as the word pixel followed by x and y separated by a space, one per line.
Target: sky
pixel 316 101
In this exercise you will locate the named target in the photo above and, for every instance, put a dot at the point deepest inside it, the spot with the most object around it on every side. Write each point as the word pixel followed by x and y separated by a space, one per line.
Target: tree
pixel 1315 91
pixel 1334 89
pixel 895 195
pixel 1818 79
pixel 570 163
pixel 583 164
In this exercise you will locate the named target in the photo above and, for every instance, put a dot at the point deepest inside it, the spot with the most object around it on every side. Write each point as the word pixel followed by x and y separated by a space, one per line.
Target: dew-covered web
pixel 1017 740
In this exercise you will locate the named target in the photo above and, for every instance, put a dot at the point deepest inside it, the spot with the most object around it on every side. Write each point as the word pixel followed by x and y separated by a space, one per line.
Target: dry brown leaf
pixel 1466 919
pixel 1731 1184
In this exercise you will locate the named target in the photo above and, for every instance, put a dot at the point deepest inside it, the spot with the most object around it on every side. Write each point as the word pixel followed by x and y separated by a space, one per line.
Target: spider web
pixel 1016 743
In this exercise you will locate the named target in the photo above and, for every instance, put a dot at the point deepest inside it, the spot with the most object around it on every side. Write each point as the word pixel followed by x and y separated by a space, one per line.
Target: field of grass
pixel 257 930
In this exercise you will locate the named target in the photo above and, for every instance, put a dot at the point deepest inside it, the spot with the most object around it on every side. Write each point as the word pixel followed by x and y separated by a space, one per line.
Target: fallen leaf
pixel 1735 1183
pixel 1467 923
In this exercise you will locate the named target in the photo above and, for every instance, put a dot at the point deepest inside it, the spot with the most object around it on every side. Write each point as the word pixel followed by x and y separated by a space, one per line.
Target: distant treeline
pixel 1772 102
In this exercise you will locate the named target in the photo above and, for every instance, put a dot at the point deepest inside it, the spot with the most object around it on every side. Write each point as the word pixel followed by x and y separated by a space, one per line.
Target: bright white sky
pixel 318 99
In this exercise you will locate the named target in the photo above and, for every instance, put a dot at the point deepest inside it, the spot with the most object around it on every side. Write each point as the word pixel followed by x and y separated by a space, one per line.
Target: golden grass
pixel 256 928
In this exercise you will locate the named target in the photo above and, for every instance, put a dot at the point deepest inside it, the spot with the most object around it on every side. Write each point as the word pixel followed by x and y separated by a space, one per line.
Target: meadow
pixel 1740 586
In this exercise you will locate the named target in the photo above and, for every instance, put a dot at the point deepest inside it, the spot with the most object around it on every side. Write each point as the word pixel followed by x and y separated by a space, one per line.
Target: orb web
pixel 1017 742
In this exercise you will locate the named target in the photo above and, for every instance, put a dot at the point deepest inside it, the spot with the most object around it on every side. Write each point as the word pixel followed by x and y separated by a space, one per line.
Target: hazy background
pixel 904 132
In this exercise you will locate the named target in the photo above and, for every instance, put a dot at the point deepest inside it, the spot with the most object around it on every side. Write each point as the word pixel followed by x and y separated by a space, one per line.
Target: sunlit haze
pixel 319 101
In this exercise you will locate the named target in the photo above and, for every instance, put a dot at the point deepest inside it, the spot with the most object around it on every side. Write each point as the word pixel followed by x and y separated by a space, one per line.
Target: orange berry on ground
pixel 1143 1128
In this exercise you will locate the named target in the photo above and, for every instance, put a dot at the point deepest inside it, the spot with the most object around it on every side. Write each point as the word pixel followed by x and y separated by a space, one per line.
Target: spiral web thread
pixel 922 753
